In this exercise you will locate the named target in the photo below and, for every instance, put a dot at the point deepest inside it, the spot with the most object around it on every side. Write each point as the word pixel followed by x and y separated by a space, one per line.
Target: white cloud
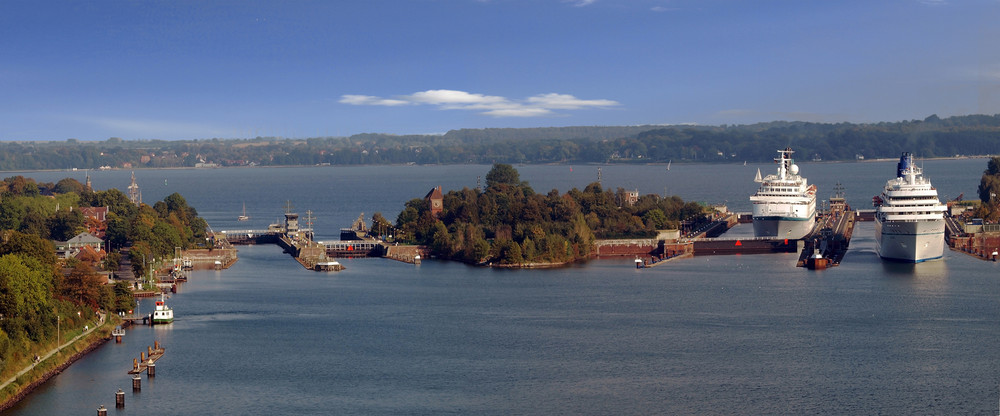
pixel 370 100
pixel 519 112
pixel 452 97
pixel 490 105
pixel 580 3
pixel 567 102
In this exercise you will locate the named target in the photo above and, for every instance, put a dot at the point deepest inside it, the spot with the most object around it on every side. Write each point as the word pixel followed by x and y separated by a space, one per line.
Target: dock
pixel 295 240
pixel 825 246
pixel 706 241
pixel 828 243
pixel 755 245
pixel 313 255
pixel 147 359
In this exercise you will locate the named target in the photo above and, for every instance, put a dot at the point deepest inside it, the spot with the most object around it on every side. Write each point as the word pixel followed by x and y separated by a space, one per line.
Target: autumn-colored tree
pixel 83 285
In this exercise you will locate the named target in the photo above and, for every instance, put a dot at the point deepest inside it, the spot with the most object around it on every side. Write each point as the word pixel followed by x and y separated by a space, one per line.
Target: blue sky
pixel 147 69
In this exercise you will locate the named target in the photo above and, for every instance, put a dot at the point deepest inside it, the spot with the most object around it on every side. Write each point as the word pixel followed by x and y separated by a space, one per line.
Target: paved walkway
pixel 51 353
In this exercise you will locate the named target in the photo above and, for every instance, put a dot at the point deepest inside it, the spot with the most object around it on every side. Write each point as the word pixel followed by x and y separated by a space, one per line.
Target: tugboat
pixel 163 314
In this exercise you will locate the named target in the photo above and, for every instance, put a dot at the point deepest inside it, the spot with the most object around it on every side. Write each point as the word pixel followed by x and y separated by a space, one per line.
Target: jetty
pixel 974 237
pixel 700 240
pixel 147 359
pixel 828 243
pixel 299 242
pixel 824 246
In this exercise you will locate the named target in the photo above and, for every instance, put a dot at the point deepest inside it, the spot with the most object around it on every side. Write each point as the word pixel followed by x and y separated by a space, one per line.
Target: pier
pixel 755 245
pixel 828 243
pixel 147 360
pixel 978 240
pixel 705 241
pixel 314 255
pixel 824 246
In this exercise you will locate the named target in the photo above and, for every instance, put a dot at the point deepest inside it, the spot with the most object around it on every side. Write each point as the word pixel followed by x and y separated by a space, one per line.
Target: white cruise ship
pixel 785 204
pixel 909 218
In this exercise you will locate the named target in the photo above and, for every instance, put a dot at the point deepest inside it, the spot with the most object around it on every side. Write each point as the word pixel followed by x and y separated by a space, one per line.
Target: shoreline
pixel 530 265
pixel 39 379
pixel 623 162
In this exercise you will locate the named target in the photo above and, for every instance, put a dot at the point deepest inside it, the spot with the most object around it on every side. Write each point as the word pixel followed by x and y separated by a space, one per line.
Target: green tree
pixel 28 245
pixel 989 185
pixel 11 214
pixel 380 225
pixel 65 224
pixel 122 295
pixel 655 218
pixel 502 174
pixel 25 297
pixel 118 230
pixel 67 185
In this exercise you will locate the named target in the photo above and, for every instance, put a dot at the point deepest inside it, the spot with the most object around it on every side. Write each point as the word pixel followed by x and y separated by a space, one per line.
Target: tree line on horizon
pixel 930 137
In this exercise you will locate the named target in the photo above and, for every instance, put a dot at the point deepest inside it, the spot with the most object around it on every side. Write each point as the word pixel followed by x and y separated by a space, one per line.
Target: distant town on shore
pixel 931 137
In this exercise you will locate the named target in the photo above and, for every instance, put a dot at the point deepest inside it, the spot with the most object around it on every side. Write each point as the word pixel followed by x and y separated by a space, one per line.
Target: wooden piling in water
pixel 102 411
pixel 136 383
pixel 120 399
pixel 151 369
pixel 144 363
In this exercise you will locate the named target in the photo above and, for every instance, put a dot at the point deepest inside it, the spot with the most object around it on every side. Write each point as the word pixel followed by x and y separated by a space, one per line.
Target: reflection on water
pixel 934 269
pixel 927 278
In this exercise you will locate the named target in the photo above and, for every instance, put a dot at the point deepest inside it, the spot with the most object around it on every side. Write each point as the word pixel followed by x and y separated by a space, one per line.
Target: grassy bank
pixel 54 364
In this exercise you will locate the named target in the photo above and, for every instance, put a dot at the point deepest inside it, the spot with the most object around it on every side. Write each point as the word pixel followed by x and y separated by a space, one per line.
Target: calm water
pixel 709 335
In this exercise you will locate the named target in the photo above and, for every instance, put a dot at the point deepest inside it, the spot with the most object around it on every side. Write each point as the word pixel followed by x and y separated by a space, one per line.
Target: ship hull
pixel 783 227
pixel 910 241
pixel 163 316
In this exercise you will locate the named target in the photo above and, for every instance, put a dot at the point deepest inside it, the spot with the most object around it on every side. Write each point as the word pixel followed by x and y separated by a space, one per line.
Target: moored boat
pixel 785 204
pixel 909 217
pixel 162 314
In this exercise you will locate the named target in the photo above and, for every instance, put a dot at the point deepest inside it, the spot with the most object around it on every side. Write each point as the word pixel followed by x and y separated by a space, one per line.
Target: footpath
pixel 52 352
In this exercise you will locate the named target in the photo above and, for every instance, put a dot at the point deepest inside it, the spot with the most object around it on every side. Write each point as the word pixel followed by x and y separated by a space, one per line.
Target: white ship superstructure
pixel 162 314
pixel 909 217
pixel 785 204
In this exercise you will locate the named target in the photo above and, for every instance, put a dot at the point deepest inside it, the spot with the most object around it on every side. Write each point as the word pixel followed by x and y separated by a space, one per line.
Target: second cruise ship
pixel 909 217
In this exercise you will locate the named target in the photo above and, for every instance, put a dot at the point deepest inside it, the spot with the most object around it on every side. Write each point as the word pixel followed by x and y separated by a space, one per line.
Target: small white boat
pixel 244 217
pixel 162 314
